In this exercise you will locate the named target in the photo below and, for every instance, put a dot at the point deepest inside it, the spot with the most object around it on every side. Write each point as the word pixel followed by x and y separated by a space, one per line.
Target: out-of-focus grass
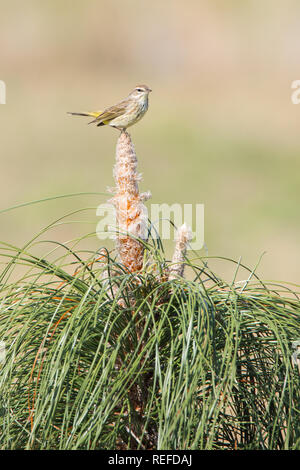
pixel 221 129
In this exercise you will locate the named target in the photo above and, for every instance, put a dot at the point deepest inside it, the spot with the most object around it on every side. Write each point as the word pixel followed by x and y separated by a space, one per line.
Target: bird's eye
pixel 139 89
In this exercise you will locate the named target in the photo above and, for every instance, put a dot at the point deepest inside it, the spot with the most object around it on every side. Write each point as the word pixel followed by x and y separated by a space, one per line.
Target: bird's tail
pixel 93 114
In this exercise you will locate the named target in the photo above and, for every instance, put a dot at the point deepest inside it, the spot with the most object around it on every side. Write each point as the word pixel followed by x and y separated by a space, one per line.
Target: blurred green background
pixel 221 128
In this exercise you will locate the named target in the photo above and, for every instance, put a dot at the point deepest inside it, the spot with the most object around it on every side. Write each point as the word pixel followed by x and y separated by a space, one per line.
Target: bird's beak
pixel 149 89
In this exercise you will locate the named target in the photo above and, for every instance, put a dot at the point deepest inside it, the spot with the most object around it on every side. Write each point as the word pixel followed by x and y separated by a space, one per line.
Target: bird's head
pixel 140 92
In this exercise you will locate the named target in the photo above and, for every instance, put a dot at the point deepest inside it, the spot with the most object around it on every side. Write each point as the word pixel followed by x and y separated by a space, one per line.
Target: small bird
pixel 123 114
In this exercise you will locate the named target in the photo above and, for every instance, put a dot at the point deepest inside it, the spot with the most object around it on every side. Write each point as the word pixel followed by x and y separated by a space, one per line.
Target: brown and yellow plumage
pixel 123 114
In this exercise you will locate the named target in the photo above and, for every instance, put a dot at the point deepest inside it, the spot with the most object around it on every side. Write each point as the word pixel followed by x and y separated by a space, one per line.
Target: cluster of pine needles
pixel 99 358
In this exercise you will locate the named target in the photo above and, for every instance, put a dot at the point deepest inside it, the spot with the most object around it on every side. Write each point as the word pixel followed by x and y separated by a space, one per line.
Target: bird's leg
pixel 121 129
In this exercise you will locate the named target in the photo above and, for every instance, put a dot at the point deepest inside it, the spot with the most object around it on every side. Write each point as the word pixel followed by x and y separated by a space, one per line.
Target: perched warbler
pixel 123 114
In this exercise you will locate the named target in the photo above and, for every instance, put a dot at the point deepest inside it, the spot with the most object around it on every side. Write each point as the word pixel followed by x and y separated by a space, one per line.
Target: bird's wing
pixel 111 113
